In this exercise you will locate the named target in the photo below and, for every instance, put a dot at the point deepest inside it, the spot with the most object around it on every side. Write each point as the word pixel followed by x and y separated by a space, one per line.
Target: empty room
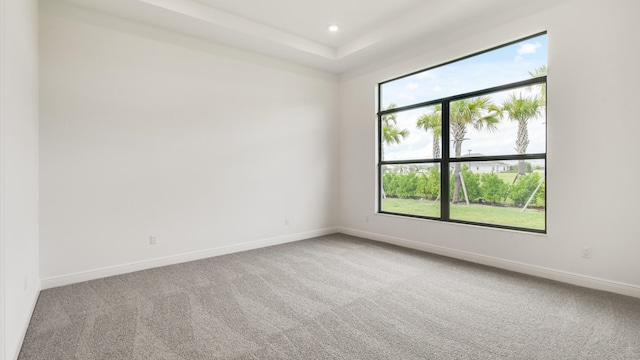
pixel 410 179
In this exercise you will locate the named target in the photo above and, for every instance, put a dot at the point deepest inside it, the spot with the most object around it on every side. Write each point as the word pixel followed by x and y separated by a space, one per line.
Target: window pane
pixel 496 194
pixel 411 189
pixel 500 123
pixel 501 66
pixel 411 134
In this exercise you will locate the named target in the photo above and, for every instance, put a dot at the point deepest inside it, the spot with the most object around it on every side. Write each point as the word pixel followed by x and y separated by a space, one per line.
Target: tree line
pixel 481 188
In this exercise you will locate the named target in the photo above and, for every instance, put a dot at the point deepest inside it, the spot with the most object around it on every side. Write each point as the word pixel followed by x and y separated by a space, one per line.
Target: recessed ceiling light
pixel 333 28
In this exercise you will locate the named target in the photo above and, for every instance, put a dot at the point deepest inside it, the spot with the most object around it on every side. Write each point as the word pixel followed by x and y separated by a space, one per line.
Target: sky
pixel 498 67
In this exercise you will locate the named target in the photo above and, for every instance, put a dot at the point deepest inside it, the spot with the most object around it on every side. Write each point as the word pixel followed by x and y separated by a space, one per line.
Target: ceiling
pixel 297 30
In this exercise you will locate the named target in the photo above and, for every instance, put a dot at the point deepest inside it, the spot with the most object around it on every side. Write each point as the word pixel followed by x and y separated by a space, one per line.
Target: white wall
pixel 146 132
pixel 593 78
pixel 19 170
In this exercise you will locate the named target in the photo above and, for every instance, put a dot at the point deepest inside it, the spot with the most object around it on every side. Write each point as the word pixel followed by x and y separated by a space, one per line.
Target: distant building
pixel 486 167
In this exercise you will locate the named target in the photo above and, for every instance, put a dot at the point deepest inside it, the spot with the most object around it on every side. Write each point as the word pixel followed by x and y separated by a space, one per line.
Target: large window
pixel 466 141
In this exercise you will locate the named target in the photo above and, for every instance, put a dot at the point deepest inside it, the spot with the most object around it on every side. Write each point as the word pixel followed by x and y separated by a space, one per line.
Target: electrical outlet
pixel 287 222
pixel 366 219
pixel 153 240
pixel 586 253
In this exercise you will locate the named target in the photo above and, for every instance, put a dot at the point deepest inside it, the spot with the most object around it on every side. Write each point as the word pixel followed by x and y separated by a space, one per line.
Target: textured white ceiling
pixel 296 30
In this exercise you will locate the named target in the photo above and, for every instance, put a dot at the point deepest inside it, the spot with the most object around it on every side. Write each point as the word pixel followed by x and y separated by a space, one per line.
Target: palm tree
pixel 433 122
pixel 390 132
pixel 479 113
pixel 541 71
pixel 521 109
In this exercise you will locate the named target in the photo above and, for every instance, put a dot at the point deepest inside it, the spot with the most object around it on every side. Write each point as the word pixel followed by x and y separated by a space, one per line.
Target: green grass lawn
pixel 507 177
pixel 532 219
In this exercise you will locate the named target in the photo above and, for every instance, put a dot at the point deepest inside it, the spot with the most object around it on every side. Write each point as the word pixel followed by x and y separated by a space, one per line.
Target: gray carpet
pixel 333 297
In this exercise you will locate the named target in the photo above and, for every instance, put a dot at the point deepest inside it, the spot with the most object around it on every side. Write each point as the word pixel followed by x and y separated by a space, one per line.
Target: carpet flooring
pixel 332 297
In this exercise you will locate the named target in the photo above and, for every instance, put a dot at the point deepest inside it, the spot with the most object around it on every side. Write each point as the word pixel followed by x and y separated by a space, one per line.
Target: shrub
pixel 390 184
pixel 407 185
pixel 472 184
pixel 429 184
pixel 493 188
pixel 540 199
pixel 422 185
pixel 523 188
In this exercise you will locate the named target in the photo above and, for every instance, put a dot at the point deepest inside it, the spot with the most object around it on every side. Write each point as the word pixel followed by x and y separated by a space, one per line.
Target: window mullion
pixel 380 149
pixel 444 168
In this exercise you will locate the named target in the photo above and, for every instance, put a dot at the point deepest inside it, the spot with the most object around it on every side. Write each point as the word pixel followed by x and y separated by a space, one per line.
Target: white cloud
pixel 527 48
pixel 436 88
pixel 412 86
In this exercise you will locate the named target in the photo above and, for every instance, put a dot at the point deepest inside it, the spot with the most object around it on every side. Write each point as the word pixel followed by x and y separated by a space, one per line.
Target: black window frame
pixel 445 159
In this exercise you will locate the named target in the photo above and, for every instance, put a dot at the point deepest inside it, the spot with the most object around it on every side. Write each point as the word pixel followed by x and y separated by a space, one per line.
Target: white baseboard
pixel 25 326
pixel 62 280
pixel 552 274
pixel 547 273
